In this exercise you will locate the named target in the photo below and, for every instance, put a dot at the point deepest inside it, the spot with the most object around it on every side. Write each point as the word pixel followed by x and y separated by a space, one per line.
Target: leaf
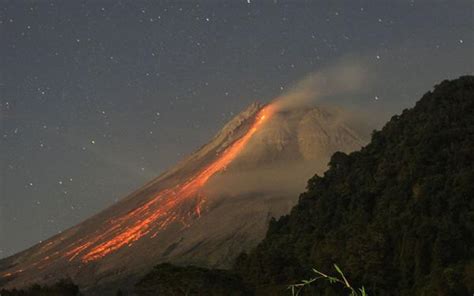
pixel 342 275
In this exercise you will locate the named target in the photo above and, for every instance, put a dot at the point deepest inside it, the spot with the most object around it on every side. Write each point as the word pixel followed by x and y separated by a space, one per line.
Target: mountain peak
pixel 204 211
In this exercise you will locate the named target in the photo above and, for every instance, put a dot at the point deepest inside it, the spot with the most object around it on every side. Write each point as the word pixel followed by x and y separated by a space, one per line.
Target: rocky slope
pixel 204 211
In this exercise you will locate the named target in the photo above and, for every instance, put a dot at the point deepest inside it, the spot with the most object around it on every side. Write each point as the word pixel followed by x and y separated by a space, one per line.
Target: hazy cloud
pixel 347 76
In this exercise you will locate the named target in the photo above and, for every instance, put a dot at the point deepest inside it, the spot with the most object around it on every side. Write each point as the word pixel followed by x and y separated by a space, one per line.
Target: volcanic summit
pixel 206 210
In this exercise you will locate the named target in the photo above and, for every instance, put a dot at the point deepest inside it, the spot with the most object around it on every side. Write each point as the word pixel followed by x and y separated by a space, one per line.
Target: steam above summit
pixel 345 77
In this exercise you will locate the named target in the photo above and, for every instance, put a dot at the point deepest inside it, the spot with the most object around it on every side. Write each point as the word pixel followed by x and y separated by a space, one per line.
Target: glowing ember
pixel 170 205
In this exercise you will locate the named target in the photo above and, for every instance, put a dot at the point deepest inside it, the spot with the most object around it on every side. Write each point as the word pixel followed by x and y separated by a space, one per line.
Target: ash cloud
pixel 346 77
pixel 337 87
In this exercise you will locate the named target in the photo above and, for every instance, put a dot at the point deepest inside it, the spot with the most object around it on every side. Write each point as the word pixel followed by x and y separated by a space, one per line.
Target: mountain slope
pixel 397 216
pixel 204 211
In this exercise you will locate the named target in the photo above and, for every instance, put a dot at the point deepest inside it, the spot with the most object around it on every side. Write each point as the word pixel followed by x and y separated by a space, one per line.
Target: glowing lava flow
pixel 170 205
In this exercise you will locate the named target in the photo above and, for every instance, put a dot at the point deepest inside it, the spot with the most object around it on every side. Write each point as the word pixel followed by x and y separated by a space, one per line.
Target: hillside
pixel 397 216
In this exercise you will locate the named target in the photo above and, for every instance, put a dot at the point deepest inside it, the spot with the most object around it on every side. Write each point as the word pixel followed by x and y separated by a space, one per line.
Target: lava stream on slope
pixel 163 209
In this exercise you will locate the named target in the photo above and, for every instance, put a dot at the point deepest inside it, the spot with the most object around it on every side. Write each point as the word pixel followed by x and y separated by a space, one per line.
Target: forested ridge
pixel 397 216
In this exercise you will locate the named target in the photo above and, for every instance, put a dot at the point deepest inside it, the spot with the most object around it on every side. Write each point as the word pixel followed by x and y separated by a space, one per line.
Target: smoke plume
pixel 343 78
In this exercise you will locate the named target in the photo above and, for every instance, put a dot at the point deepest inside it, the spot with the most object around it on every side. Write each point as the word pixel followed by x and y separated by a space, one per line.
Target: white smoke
pixel 347 76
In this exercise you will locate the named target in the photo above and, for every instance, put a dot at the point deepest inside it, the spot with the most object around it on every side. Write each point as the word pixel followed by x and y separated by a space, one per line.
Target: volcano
pixel 206 210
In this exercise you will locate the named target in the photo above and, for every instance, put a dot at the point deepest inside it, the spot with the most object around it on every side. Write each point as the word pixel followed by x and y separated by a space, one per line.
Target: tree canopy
pixel 397 216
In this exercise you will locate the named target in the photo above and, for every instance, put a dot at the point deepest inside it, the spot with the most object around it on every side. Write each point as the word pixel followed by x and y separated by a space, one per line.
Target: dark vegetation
pixel 167 279
pixel 397 216
pixel 62 288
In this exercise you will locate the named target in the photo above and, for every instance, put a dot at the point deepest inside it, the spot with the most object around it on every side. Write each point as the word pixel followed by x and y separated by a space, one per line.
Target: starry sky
pixel 98 97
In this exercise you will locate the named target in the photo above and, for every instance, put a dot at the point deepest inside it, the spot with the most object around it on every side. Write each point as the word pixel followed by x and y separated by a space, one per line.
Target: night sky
pixel 98 97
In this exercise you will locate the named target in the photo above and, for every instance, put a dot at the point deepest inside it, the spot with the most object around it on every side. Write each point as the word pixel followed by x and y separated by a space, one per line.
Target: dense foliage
pixel 397 216
pixel 167 279
pixel 62 288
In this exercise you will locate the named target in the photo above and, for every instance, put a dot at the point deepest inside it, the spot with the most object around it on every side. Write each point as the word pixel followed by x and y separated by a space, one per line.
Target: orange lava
pixel 176 204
